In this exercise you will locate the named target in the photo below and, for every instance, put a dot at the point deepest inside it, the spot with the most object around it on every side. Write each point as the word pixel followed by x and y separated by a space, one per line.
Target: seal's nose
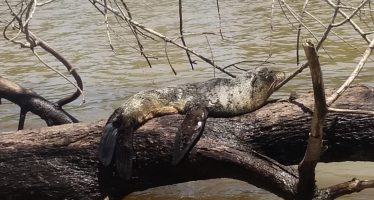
pixel 280 76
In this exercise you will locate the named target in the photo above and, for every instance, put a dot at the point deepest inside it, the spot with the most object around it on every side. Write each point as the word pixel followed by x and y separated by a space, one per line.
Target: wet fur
pixel 220 97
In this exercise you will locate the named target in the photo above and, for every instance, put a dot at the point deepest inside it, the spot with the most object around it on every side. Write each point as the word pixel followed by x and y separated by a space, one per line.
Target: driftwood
pixel 28 100
pixel 60 162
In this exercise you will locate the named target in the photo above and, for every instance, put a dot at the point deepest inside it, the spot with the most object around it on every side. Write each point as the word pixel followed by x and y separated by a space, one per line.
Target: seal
pixel 219 97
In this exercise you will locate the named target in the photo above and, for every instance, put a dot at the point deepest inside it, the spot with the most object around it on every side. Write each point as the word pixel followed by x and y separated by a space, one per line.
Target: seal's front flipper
pixel 108 144
pixel 189 132
pixel 125 154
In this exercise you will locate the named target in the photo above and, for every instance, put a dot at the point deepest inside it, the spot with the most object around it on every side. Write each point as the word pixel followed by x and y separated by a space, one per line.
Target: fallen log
pixel 60 162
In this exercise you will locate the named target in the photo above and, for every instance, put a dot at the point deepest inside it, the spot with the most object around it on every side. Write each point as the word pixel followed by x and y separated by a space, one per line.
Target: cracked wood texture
pixel 60 162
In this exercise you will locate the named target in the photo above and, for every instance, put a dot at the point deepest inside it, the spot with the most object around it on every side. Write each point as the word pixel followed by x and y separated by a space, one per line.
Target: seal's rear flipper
pixel 189 132
pixel 108 144
pixel 125 154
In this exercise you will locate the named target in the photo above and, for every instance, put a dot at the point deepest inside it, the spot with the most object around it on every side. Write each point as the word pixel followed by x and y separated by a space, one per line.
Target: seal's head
pixel 265 80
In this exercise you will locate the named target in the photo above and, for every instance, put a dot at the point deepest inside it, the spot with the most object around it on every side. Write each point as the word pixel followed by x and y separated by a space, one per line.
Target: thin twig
pixel 299 31
pixel 107 25
pixel 134 31
pixel 167 57
pixel 349 187
pixel 163 37
pixel 211 53
pixel 181 33
pixel 30 15
pixel 353 24
pixel 271 29
pixel 16 17
pixel 303 66
pixel 337 35
pixel 366 112
pixel 247 61
pixel 69 67
pixel 353 75
pixel 34 41
pixel 348 18
pixel 285 14
pixel 44 3
pixel 220 20
pixel 59 73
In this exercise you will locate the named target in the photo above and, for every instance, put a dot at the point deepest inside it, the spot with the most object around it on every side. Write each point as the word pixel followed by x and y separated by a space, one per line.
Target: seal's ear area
pixel 189 132
pixel 265 73
pixel 258 71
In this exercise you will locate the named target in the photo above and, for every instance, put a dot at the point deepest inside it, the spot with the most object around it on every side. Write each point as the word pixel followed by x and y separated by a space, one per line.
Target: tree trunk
pixel 60 162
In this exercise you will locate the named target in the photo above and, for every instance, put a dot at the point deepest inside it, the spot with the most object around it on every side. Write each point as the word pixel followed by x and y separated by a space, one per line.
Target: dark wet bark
pixel 61 161
pixel 28 100
pixel 307 181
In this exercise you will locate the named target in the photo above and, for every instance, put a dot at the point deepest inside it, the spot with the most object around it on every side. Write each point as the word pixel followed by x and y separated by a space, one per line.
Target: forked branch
pixel 33 41
pixel 52 113
pixel 306 186
pixel 28 100
pixel 152 32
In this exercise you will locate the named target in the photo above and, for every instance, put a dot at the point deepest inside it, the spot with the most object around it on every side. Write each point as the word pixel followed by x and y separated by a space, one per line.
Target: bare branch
pixel 70 69
pixel 306 186
pixel 319 44
pixel 367 112
pixel 33 41
pixel 44 3
pixel 348 18
pixel 58 72
pixel 333 32
pixel 299 31
pixel 135 31
pixel 28 100
pixel 167 57
pixel 349 187
pixel 219 18
pixel 211 54
pixel 354 25
pixel 298 19
pixel 353 75
pixel 247 61
pixel 107 25
pixel 29 15
pixel 181 33
pixel 161 36
pixel 271 28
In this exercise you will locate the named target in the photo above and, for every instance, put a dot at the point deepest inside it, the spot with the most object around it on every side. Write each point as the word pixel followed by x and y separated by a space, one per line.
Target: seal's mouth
pixel 278 77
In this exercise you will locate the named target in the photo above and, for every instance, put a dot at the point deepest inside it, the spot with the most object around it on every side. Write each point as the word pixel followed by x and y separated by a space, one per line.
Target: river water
pixel 77 30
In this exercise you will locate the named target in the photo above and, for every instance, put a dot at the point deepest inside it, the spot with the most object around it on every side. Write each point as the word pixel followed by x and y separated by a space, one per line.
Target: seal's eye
pixel 262 71
pixel 268 74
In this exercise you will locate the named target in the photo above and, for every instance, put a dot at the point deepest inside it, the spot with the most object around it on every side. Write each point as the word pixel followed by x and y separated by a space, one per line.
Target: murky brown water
pixel 76 30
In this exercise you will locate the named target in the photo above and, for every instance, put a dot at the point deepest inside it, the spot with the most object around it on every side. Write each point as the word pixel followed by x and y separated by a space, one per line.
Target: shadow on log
pixel 60 162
